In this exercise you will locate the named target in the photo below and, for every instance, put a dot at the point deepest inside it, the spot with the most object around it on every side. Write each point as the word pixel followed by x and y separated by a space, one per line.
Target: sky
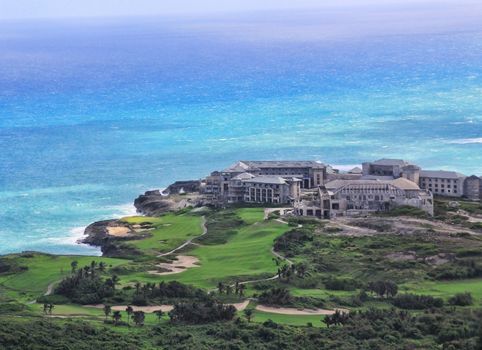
pixel 23 9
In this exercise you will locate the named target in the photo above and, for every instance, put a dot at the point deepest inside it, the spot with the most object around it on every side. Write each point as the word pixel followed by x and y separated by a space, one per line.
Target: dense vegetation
pixel 407 289
pixel 371 329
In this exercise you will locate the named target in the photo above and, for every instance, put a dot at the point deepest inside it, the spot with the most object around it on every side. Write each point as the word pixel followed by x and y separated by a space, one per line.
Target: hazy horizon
pixel 49 9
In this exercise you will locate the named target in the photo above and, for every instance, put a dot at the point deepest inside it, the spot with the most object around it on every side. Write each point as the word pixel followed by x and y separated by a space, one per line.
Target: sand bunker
pixel 241 306
pixel 292 311
pixel 146 309
pixel 180 264
pixel 165 308
pixel 118 231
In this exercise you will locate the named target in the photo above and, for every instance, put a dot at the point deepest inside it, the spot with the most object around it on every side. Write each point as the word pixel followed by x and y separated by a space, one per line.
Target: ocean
pixel 95 112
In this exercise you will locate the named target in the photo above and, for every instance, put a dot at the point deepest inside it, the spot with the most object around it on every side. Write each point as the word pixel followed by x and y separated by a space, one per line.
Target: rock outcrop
pixel 153 203
pixel 182 187
pixel 100 234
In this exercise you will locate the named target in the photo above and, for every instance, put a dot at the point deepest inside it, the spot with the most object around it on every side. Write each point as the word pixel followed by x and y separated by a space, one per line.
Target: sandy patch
pixel 118 231
pixel 165 308
pixel 180 264
pixel 402 256
pixel 241 306
pixel 292 311
pixel 439 259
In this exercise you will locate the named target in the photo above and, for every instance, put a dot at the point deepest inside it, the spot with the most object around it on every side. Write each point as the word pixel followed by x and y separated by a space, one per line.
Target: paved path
pixel 189 241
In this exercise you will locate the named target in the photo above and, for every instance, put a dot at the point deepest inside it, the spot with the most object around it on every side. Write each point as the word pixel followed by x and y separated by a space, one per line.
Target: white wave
pixel 122 210
pixel 466 141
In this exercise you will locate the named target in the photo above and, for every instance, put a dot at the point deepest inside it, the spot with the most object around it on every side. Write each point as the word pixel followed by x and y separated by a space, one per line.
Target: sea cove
pixel 93 113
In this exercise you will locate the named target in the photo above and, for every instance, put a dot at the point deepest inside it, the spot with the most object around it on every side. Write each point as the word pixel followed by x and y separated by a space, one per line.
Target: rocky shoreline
pixel 110 235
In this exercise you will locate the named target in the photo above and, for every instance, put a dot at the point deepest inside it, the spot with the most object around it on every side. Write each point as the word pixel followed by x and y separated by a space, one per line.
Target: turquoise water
pixel 92 113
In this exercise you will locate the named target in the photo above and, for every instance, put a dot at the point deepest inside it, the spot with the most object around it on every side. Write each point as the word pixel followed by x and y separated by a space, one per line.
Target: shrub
pixel 461 299
pixel 276 296
pixel 197 313
pixel 347 284
pixel 417 302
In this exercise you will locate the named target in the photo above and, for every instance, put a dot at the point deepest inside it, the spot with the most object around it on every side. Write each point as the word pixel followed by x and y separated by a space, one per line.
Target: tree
pixel 241 288
pixel 248 313
pixel 221 287
pixel 73 265
pixel 46 307
pixel 159 313
pixel 102 266
pixel 129 311
pixel 339 317
pixel 229 289
pixel 115 280
pixel 116 316
pixel 93 266
pixel 139 317
pixel 51 307
pixel 107 310
pixel 382 288
pixel 138 287
pixel 301 270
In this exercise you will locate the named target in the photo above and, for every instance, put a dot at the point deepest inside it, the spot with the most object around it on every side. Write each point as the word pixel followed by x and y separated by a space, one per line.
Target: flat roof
pixel 441 174
pixel 401 183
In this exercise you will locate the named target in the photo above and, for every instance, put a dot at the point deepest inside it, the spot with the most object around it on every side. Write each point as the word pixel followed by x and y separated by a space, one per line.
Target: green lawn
pixel 446 289
pixel 320 293
pixel 246 254
pixel 294 320
pixel 251 215
pixel 170 232
pixel 44 269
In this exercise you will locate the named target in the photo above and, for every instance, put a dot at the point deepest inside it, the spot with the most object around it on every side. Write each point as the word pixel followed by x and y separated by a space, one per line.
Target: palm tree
pixel 107 310
pixel 51 307
pixel 129 311
pixel 139 318
pixel 221 287
pixel 301 270
pixel 116 316
pixel 138 287
pixel 93 265
pixel 241 287
pixel 102 266
pixel 46 306
pixel 248 313
pixel 115 280
pixel 159 314
pixel 73 265
pixel 229 289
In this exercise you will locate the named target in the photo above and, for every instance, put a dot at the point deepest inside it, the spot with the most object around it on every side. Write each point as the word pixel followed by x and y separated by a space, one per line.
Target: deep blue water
pixel 94 112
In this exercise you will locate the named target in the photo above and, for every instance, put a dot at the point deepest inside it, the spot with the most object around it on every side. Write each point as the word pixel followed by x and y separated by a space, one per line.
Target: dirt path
pixel 189 241
pixel 50 288
pixel 471 218
pixel 352 230
pixel 268 211
pixel 293 311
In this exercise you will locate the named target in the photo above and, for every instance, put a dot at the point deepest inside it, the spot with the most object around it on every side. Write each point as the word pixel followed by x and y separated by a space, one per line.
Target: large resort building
pixel 316 189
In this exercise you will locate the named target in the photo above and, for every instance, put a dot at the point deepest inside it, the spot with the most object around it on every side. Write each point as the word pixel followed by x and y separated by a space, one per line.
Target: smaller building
pixel 473 188
pixel 358 197
pixel 271 189
pixel 443 183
